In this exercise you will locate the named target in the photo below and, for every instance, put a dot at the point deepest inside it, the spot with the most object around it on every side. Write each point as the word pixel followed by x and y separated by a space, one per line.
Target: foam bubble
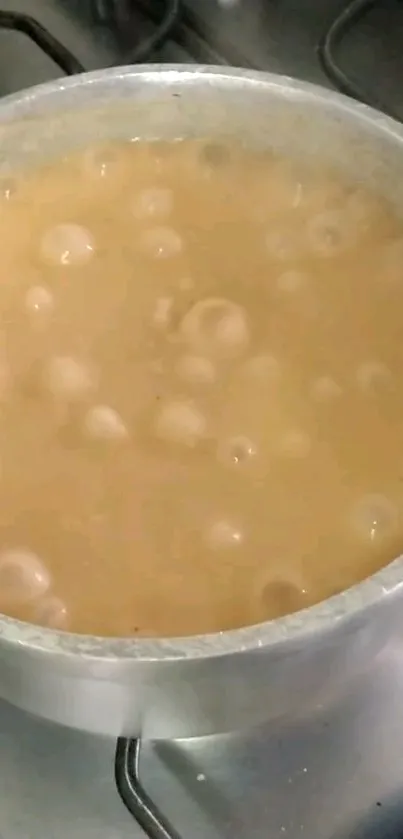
pixel 162 312
pixel 280 245
pixel 289 282
pixel 156 202
pixel 236 451
pixel 326 389
pixel 281 596
pixel 52 613
pixel 181 422
pixel 23 576
pixel 374 377
pixel 7 188
pixel 196 369
pixel 329 233
pixel 39 300
pixel 375 518
pixel 262 368
pixel 162 242
pixel 216 326
pixel 68 245
pixel 104 163
pixel 104 423
pixel 216 155
pixel 224 534
pixel 69 378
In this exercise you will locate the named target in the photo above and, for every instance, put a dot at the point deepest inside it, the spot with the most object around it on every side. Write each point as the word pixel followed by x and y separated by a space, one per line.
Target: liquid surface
pixel 201 382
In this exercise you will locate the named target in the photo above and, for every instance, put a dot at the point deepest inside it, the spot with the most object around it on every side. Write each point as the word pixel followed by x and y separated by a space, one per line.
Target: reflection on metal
pixel 134 796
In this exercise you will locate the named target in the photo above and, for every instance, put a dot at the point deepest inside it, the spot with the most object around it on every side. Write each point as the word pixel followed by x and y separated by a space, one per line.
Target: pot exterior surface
pixel 194 697
pixel 282 669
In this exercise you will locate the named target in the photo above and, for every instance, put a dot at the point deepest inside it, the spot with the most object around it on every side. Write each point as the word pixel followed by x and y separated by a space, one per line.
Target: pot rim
pixel 316 619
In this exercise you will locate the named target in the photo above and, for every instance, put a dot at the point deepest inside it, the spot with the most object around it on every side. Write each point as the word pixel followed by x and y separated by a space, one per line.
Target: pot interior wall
pixel 263 111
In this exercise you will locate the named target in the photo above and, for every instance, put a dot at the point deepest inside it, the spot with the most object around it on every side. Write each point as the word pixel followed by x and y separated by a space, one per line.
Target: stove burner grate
pixel 167 18
pixel 133 794
pixel 348 18
pixel 43 39
pixel 68 63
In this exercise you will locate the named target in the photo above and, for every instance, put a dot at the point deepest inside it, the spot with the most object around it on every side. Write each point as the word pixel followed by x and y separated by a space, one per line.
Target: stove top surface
pixel 340 774
pixel 280 36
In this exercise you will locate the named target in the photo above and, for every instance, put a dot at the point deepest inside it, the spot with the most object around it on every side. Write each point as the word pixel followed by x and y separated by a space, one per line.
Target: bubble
pixel 375 518
pixel 68 245
pixel 68 378
pixel 279 597
pixel 196 369
pixel 373 378
pixel 7 188
pixel 290 282
pixel 156 202
pixel 104 163
pixel 23 576
pixel 181 422
pixel 216 326
pixel 326 389
pixel 104 423
pixel 224 534
pixel 162 312
pixel 262 368
pixel 277 191
pixel 216 155
pixel 52 613
pixel 236 451
pixel 329 233
pixel 281 245
pixel 162 242
pixel 39 300
pixel 294 444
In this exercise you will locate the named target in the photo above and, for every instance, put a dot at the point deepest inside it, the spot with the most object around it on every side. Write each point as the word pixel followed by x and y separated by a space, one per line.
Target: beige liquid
pixel 201 379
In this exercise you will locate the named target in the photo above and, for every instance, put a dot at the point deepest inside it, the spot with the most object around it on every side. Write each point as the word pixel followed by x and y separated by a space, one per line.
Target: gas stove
pixel 340 773
pixel 361 53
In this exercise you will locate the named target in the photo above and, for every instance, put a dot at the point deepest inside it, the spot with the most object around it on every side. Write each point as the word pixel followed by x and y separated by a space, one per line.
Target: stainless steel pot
pixel 201 685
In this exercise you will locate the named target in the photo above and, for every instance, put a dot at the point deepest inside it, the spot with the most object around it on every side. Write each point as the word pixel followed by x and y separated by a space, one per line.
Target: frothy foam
pixel 67 245
pixel 23 576
pixel 162 242
pixel 217 327
pixel 181 422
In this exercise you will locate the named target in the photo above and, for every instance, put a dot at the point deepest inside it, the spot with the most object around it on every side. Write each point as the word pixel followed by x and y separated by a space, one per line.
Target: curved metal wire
pixel 145 48
pixel 133 794
pixel 67 61
pixel 43 39
pixel 327 48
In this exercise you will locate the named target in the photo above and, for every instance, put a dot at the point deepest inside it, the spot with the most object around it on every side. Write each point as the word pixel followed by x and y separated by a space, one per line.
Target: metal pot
pixel 208 684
